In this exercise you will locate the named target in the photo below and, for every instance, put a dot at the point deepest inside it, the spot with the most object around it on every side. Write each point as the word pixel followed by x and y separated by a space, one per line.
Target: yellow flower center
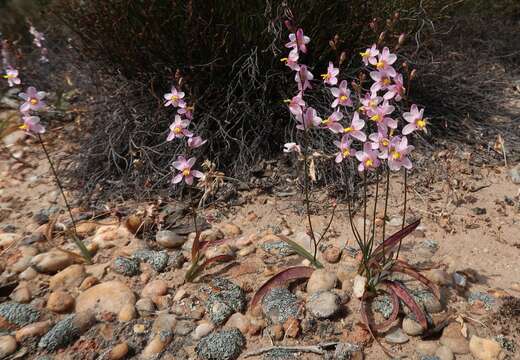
pixel 369 162
pixel 347 129
pixel 284 60
pixel 385 142
pixel 372 103
pixel 287 101
pixel 9 76
pixel 174 98
pixel 177 130
pixel 24 127
pixel 33 101
pixel 364 54
pixel 421 123
pixel 343 97
pixel 396 155
pixel 186 172
pixel 386 81
pixel 326 76
pixel 380 65
pixel 346 152
pixel 327 121
pixel 376 118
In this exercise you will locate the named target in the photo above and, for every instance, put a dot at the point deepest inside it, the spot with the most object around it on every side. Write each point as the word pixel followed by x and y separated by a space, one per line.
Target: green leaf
pixel 300 250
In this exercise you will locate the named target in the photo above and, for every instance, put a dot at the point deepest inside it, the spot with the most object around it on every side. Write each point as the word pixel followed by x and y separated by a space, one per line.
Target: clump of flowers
pixel 38 41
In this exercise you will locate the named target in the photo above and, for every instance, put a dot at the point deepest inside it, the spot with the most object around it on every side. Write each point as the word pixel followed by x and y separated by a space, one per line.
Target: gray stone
pixel 66 331
pixel 18 314
pixel 126 266
pixel 225 299
pixel 383 305
pixel 279 304
pixel 158 260
pixel 488 300
pixel 411 326
pixel 444 353
pixel 396 336
pixel 277 248
pixel 221 345
pixel 348 351
pixel 460 279
pixel 170 239
pixel 515 174
pixel 323 304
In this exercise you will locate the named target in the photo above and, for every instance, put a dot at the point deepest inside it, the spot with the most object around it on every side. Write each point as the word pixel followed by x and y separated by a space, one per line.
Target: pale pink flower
pixel 33 99
pixel 345 150
pixel 332 122
pixel 370 101
pixel 292 60
pixel 32 124
pixel 38 37
pixel 308 120
pixel 186 173
pixel 292 147
pixel 384 62
pixel 330 77
pixel 342 95
pixel 298 41
pixel 381 142
pixel 397 154
pixel 379 116
pixel 368 160
pixel 187 112
pixel 178 129
pixel 195 142
pixel 396 90
pixel 416 120
pixel 303 78
pixel 174 98
pixel 12 77
pixel 296 104
pixel 381 79
pixel 354 129
pixel 369 54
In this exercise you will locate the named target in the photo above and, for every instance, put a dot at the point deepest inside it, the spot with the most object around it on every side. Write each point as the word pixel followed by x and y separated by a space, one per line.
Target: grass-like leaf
pixel 300 250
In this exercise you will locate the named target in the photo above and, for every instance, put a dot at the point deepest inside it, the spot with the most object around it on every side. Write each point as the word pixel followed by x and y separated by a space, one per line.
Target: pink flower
pixel 308 120
pixel 178 129
pixel 342 95
pixel 381 81
pixel 195 142
pixel 332 123
pixel 379 116
pixel 38 37
pixel 12 77
pixel 415 119
pixel 396 90
pixel 303 78
pixel 32 124
pixel 184 166
pixel 345 150
pixel 33 99
pixel 298 41
pixel 296 104
pixel 330 77
pixel 186 111
pixel 381 142
pixel 370 101
pixel 369 54
pixel 354 129
pixel 397 155
pixel 384 62
pixel 174 98
pixel 292 147
pixel 367 158
pixel 292 60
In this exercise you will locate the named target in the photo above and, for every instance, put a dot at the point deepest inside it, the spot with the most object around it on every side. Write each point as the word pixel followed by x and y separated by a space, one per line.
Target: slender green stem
pixel 404 208
pixel 352 225
pixel 374 214
pixel 365 209
pixel 387 193
pixel 82 248
pixel 306 191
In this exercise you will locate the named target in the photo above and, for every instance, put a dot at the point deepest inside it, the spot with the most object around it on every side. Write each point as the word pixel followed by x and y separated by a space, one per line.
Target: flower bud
pixel 355 86
pixel 373 24
pixel 413 74
pixel 336 38
pixel 402 39
pixel 342 57
pixel 332 44
pixel 405 65
pixel 381 37
pixel 397 15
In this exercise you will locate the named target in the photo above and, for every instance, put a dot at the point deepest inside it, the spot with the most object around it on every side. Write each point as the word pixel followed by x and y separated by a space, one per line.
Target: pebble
pixel 158 260
pixel 429 302
pixel 155 346
pixel 127 313
pixel 411 327
pixel 51 262
pixel 13 314
pixel 169 239
pixel 119 351
pixel 485 349
pixel 427 348
pixel 452 338
pixel 22 258
pixel 60 302
pixel 145 307
pixel 28 274
pixel 88 282
pixel 321 279
pixel 291 327
pixel 444 353
pixel 276 331
pixel 184 327
pixel 155 288
pixel 110 236
pixel 86 228
pixel 162 335
pixel 7 346
pixel 515 174
pixel 221 345
pixel 279 304
pixel 7 239
pixel 66 331
pixel 225 299
pixel 126 266
pixel 323 304
pixel 36 329
pixel 110 296
pixel 360 283
pixel 68 278
pixel 439 277
pixel 332 255
pixel 460 279
pixel 230 230
pixel 396 336
pixel 203 329
pixel 239 321
pixel 22 293
pixel 348 351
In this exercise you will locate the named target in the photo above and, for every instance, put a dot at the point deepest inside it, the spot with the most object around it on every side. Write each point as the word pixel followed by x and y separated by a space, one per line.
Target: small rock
pixel 321 279
pixel 239 321
pixel 203 329
pixel 155 346
pixel 396 336
pixel 51 262
pixel 485 349
pixel 487 300
pixel 426 348
pixel 225 299
pixel 460 279
pixel 230 230
pixel 169 239
pixel 68 278
pixel 60 302
pixel 323 304
pixel 109 297
pixel 119 351
pixel 276 331
pixel 162 335
pixel 7 346
pixel 158 260
pixel 348 351
pixel 66 331
pixel 88 282
pixel 412 327
pixel 444 353
pixel 21 294
pixel 36 329
pixel 291 327
pixel 439 277
pixel 7 239
pixel 515 174
pixel 332 254
pixel 430 303
pixel 14 314
pixel 155 288
pixel 360 283
pixel 221 345
pixel 184 327
pixel 28 274
pixel 211 234
pixel 126 266
pixel 112 236
pixel 127 313
pixel 145 307
pixel 452 338
pixel 279 304
pixel 479 211
pixel 21 259
pixel 395 221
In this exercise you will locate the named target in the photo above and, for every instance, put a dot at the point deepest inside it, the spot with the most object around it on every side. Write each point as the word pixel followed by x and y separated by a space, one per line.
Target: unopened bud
pixel 362 76
pixel 405 65
pixel 332 44
pixel 342 57
pixel 402 39
pixel 289 25
pixel 355 86
pixel 396 15
pixel 389 23
pixel 373 24
pixel 381 37
pixel 413 74
pixel 336 38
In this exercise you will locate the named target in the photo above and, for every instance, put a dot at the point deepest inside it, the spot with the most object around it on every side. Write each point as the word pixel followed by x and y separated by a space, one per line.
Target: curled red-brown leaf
pixel 393 240
pixel 281 279
pixel 395 311
pixel 403 294
pixel 407 269
pixel 364 318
